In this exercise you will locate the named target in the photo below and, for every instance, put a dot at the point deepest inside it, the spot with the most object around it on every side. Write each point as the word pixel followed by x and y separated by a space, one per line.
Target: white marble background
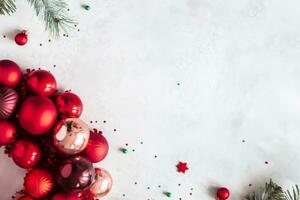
pixel 237 63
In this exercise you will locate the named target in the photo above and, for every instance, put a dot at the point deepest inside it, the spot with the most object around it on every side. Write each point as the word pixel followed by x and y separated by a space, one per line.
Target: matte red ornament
pixel 75 173
pixel 223 193
pixel 21 38
pixel 10 73
pixel 26 153
pixel 37 115
pixel 8 102
pixel 69 105
pixel 25 198
pixel 97 147
pixel 7 132
pixel 38 182
pixel 41 82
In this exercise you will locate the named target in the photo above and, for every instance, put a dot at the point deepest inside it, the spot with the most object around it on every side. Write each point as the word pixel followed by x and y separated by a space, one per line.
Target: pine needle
pixel 272 191
pixel 7 7
pixel 54 13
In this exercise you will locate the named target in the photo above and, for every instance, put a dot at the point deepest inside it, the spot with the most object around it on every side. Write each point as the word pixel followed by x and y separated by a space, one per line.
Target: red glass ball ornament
pixel 41 82
pixel 10 73
pixel 25 198
pixel 75 173
pixel 97 147
pixel 8 102
pixel 63 196
pixel 37 115
pixel 26 153
pixel 38 182
pixel 69 105
pixel 223 193
pixel 21 38
pixel 7 132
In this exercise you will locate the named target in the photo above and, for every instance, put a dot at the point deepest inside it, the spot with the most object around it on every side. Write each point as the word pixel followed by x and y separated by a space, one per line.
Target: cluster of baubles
pixel 41 129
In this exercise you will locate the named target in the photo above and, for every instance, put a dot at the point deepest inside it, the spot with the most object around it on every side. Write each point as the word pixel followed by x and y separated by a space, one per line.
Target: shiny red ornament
pixel 223 193
pixel 8 101
pixel 97 147
pixel 21 38
pixel 37 115
pixel 41 82
pixel 69 105
pixel 7 132
pixel 63 196
pixel 25 198
pixel 75 173
pixel 10 73
pixel 26 153
pixel 38 182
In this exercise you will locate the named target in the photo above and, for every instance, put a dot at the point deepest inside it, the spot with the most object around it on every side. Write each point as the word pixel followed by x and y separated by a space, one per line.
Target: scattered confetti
pixel 168 194
pixel 182 167
pixel 124 150
pixel 87 7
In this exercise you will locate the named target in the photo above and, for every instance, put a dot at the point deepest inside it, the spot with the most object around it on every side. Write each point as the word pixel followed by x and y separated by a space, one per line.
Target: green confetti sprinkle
pixel 168 194
pixel 124 150
pixel 87 7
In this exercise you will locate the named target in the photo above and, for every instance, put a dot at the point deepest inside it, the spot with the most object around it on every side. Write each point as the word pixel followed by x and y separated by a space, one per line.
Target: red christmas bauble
pixel 223 193
pixel 26 153
pixel 21 38
pixel 10 73
pixel 75 173
pixel 42 82
pixel 97 147
pixel 8 102
pixel 38 182
pixel 37 115
pixel 7 132
pixel 25 198
pixel 63 196
pixel 69 105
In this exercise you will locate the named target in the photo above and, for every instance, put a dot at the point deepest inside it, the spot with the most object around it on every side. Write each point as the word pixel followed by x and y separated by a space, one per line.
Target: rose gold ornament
pixel 71 136
pixel 103 183
pixel 8 102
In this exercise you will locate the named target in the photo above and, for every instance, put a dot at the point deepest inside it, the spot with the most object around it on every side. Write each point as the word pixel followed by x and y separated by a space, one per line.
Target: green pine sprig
pixel 7 7
pixel 272 191
pixel 54 13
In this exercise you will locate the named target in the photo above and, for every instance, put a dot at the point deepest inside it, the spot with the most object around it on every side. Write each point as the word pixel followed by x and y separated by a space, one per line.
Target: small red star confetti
pixel 182 167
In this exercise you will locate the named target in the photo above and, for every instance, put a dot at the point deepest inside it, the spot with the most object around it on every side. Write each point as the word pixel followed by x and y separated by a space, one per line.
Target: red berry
pixel 223 193
pixel 21 38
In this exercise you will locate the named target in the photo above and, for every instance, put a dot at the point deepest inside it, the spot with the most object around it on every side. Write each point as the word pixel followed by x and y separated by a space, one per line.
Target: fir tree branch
pixel 295 195
pixel 54 13
pixel 7 7
pixel 272 191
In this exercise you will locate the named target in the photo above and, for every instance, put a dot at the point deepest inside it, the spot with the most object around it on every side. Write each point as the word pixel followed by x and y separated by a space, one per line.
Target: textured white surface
pixel 237 62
